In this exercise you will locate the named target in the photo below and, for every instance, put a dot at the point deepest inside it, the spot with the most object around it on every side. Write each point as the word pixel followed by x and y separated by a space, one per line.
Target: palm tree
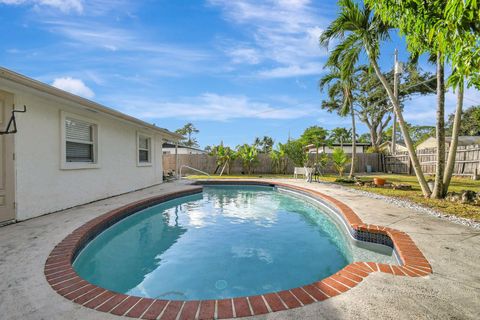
pixel 257 141
pixel 448 31
pixel 187 130
pixel 340 91
pixel 340 135
pixel 279 158
pixel 265 144
pixel 249 156
pixel 225 156
pixel 339 160
pixel 358 30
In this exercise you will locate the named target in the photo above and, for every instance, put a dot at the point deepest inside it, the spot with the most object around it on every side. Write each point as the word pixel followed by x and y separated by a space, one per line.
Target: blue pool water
pixel 227 242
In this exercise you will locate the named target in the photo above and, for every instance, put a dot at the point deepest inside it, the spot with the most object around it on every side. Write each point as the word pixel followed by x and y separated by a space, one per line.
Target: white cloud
pixel 98 35
pixel 244 55
pixel 91 35
pixel 292 71
pixel 211 106
pixel 285 32
pixel 62 5
pixel 75 86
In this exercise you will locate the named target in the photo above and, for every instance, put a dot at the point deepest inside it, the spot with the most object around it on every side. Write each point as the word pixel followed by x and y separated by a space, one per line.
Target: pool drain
pixel 221 284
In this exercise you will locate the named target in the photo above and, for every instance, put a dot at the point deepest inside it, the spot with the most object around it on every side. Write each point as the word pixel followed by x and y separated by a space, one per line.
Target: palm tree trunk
pixel 354 145
pixel 437 192
pixel 403 127
pixel 452 152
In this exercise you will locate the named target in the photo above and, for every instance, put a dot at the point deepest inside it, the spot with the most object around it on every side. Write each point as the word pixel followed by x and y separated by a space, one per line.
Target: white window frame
pixel 64 165
pixel 150 150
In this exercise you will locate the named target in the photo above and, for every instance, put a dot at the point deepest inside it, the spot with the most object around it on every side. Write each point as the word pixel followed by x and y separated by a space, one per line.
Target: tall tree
pixel 187 131
pixel 279 158
pixel 357 29
pixel 364 138
pixel 265 144
pixel 454 139
pixel 448 29
pixel 374 109
pixel 469 122
pixel 316 136
pixel 340 83
pixel 295 152
pixel 418 133
pixel 340 135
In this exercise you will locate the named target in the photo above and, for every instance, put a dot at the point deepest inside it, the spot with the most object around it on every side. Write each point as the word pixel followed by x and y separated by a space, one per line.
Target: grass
pixel 414 195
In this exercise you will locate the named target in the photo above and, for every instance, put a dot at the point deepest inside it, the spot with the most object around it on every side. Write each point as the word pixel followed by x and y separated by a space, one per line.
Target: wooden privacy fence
pixel 467 161
pixel 264 165
pixel 398 163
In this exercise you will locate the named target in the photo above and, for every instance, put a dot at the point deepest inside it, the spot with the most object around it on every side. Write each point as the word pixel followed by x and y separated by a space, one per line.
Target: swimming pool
pixel 257 224
pixel 229 241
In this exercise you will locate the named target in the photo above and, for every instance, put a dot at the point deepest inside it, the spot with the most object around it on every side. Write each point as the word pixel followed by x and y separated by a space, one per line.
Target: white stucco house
pixel 431 142
pixel 69 150
pixel 387 146
pixel 170 148
pixel 347 147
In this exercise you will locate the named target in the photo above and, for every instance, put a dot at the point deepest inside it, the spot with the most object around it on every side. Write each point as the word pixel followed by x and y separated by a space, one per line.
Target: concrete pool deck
pixel 452 291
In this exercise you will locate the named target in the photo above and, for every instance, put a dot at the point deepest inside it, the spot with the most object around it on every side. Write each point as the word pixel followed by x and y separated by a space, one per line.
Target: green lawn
pixel 414 195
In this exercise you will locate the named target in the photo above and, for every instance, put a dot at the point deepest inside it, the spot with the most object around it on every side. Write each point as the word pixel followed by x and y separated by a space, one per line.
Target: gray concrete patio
pixel 452 292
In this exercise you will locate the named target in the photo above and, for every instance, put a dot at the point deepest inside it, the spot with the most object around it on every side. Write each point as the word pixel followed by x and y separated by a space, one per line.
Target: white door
pixel 7 207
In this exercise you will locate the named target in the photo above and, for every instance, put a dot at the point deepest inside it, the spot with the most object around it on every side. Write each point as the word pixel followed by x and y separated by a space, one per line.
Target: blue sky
pixel 236 69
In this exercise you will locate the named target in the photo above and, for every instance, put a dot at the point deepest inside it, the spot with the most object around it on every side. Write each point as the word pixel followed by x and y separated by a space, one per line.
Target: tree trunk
pixel 437 192
pixel 403 127
pixel 452 152
pixel 354 145
pixel 394 134
pixel 373 137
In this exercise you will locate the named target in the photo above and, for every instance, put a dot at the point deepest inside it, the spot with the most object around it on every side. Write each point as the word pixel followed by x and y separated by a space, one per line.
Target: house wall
pixel 346 148
pixel 43 187
pixel 430 143
pixel 182 151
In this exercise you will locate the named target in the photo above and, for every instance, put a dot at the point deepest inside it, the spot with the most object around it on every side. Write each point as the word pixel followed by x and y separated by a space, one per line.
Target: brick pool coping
pixel 64 280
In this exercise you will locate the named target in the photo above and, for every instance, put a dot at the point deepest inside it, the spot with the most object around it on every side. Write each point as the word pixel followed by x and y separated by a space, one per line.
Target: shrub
pixel 340 160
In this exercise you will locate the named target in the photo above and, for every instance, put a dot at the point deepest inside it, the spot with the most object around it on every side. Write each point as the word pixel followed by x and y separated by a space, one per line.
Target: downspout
pixel 176 160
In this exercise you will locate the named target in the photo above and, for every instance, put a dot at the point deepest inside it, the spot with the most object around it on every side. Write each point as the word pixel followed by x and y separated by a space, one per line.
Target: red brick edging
pixel 64 280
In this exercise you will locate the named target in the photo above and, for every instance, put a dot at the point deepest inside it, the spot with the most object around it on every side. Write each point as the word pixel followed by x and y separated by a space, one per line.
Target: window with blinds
pixel 79 136
pixel 144 149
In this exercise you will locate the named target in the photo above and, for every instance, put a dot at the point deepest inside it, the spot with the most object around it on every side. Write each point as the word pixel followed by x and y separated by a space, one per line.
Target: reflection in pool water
pixel 227 242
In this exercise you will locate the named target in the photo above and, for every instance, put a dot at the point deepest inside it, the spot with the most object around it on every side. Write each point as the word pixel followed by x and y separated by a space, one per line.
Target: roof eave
pixel 38 85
